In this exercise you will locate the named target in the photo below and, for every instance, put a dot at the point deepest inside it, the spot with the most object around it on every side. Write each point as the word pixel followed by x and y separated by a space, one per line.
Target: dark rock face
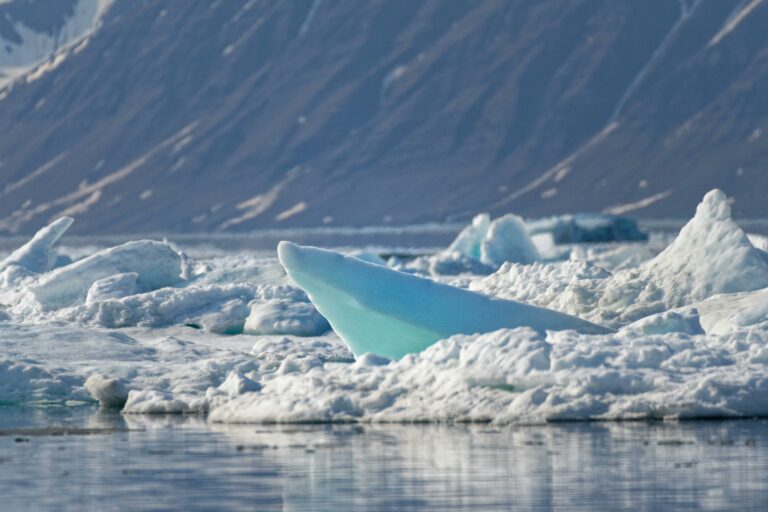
pixel 235 115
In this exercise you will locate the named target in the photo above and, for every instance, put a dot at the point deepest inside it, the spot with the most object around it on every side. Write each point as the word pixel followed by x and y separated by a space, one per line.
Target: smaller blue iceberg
pixel 588 228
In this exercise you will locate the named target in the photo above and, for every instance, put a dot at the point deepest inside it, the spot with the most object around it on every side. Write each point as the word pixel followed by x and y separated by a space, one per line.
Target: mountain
pixel 232 115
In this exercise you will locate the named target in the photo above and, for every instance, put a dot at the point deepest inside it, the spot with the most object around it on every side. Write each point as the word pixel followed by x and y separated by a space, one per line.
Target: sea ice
pixel 710 256
pixel 390 313
pixel 285 317
pixel 156 264
pixel 111 393
pixel 470 239
pixel 113 287
pixel 514 375
pixel 691 337
pixel 215 308
pixel 37 255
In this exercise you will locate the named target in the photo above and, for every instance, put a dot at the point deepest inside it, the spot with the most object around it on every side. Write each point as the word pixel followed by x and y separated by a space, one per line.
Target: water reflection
pixel 177 462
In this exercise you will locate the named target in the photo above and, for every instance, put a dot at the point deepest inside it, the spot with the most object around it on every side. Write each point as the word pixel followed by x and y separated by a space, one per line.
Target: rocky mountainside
pixel 233 115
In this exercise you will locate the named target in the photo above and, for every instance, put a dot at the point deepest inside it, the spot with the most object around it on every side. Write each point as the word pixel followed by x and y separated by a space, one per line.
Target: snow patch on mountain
pixel 35 36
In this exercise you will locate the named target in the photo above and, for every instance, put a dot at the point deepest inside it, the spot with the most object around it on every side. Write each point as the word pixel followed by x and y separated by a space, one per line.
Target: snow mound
pixel 140 284
pixel 685 321
pixel 111 393
pixel 507 239
pixel 724 314
pixel 389 313
pixel 520 375
pixel 113 287
pixel 285 317
pixel 214 308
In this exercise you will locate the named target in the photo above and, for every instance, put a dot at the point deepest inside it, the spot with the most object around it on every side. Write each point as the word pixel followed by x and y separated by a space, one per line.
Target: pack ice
pixel 668 327
pixel 145 283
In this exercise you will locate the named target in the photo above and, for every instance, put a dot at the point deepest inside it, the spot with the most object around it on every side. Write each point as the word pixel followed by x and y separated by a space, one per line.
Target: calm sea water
pixel 77 458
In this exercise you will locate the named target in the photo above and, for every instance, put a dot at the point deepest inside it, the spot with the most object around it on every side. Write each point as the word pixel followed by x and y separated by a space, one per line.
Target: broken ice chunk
pixel 390 313
pixel 156 264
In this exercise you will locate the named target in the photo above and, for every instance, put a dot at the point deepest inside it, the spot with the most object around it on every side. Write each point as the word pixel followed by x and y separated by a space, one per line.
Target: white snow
pixel 285 317
pixel 35 53
pixel 711 255
pixel 520 375
pixel 113 287
pixel 111 393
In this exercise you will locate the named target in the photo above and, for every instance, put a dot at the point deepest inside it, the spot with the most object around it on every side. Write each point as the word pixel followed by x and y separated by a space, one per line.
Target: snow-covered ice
pixel 484 331
pixel 38 254
pixel 155 265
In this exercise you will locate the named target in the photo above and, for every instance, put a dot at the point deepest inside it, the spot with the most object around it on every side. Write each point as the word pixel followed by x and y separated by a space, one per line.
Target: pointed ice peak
pixel 711 255
pixel 714 207
pixel 471 237
pixel 38 254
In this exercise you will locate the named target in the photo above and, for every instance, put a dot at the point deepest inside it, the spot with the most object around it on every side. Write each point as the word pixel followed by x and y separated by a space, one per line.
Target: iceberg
pixel 38 255
pixel 389 313
pixel 507 239
pixel 470 238
pixel 156 264
pixel 495 242
pixel 711 255
pixel 588 228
